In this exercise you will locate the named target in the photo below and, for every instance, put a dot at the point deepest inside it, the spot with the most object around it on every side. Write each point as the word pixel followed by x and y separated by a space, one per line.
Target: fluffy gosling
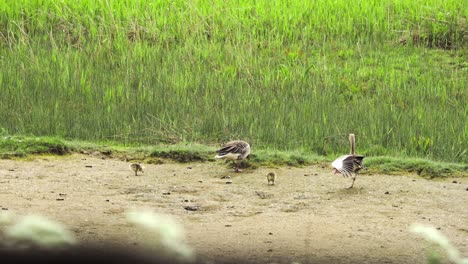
pixel 271 177
pixel 136 168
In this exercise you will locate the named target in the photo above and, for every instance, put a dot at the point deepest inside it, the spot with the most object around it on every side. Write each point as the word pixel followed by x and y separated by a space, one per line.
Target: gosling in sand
pixel 136 168
pixel 236 150
pixel 271 177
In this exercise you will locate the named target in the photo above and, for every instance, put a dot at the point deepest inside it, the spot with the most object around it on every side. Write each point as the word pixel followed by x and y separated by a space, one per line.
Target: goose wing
pixel 234 147
pixel 358 163
pixel 348 164
pixel 347 167
pixel 358 160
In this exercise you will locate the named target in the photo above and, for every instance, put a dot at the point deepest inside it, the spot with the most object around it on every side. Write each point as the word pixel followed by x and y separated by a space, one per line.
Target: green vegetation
pixel 422 167
pixel 294 76
pixel 21 146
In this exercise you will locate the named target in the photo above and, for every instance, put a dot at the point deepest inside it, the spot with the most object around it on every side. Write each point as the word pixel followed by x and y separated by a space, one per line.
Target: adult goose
pixel 349 165
pixel 235 150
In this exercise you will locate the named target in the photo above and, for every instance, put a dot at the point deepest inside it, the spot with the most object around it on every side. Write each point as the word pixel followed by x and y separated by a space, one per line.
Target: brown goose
pixel 236 150
pixel 349 165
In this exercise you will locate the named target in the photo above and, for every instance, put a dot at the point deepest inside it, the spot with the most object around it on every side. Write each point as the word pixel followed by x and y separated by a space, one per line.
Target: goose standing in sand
pixel 236 150
pixel 349 165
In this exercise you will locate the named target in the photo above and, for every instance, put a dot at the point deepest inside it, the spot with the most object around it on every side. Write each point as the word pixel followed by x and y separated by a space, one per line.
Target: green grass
pixel 293 76
pixel 22 146
pixel 423 167
pixel 184 152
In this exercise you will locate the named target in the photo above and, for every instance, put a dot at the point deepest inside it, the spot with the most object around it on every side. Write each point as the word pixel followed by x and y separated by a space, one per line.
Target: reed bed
pixel 285 75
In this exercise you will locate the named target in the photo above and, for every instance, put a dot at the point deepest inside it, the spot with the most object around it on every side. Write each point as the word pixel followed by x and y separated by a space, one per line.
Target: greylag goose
pixel 236 150
pixel 136 168
pixel 349 165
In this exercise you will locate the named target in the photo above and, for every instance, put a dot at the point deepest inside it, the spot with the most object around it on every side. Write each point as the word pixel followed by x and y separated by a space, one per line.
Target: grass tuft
pixel 424 168
pixel 183 156
pixel 20 146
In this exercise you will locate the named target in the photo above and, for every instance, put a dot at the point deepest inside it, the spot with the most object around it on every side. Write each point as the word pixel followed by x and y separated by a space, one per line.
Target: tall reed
pixel 282 74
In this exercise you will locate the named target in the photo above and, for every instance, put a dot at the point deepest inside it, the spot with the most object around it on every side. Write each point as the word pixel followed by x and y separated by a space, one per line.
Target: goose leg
pixel 238 170
pixel 237 167
pixel 353 178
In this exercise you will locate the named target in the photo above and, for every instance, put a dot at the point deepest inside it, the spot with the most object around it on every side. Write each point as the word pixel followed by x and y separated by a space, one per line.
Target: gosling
pixel 136 168
pixel 271 177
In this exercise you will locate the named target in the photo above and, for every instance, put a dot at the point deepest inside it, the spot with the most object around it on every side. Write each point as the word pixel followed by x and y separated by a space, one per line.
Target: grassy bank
pixel 26 147
pixel 294 76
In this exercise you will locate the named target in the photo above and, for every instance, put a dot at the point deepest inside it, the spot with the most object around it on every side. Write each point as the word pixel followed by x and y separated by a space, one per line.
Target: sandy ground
pixel 307 217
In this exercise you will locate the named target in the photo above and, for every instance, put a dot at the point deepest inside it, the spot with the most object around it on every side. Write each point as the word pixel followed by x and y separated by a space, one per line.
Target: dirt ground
pixel 307 217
